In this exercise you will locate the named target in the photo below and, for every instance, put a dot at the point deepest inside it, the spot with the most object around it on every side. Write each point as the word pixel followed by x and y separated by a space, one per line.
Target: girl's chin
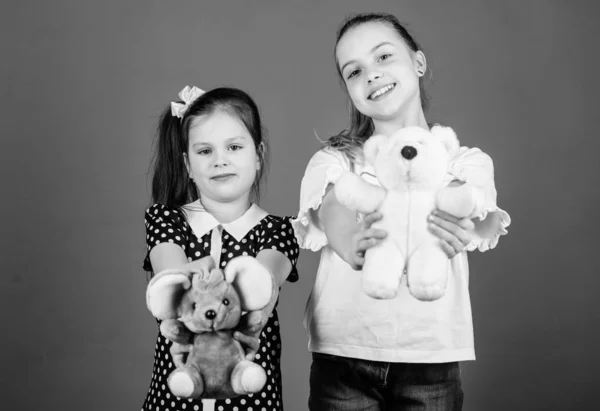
pixel 231 197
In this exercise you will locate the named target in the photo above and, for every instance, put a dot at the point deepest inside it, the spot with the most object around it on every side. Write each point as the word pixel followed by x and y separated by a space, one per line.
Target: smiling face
pixel 381 73
pixel 221 158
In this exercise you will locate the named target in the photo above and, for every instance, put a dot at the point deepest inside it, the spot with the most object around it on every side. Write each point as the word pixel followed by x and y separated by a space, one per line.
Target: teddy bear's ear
pixel 165 291
pixel 371 147
pixel 448 138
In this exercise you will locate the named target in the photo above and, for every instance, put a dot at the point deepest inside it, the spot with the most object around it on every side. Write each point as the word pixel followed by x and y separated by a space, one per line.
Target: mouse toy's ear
pixel 204 265
pixel 165 290
pixel 252 281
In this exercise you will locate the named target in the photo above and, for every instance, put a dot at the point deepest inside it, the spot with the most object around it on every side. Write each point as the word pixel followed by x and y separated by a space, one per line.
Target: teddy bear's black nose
pixel 210 314
pixel 409 152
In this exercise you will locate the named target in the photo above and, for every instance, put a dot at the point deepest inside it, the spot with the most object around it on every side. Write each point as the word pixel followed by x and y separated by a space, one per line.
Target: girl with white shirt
pixel 399 353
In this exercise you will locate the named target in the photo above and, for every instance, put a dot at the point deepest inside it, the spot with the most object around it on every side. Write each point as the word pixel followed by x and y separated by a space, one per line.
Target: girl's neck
pixel 226 212
pixel 408 118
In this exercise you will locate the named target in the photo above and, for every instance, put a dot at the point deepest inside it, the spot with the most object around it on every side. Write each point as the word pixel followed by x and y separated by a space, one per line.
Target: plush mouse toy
pixel 411 166
pixel 207 303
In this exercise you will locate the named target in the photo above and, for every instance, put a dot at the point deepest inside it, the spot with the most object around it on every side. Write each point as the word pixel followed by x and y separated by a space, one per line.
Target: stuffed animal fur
pixel 201 305
pixel 411 165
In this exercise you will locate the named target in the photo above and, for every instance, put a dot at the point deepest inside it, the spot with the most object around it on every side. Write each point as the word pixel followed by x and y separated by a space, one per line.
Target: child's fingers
pixel 178 360
pixel 443 234
pixel 249 343
pixel 376 233
pixel 364 244
pixel 448 226
pixel 465 223
pixel 455 244
pixel 448 249
pixel 371 218
pixel 456 230
pixel 176 331
pixel 180 348
pixel 445 216
pixel 253 322
pixel 362 241
pixel 179 353
pixel 358 263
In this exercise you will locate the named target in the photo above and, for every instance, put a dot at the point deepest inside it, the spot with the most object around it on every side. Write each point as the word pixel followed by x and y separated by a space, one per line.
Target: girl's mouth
pixel 381 91
pixel 223 177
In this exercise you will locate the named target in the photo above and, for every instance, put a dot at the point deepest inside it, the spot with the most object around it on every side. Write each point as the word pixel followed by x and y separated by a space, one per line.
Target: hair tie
pixel 188 96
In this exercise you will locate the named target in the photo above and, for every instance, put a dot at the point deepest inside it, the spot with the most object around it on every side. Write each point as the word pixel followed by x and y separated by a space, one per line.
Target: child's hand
pixel 182 339
pixel 364 239
pixel 455 234
pixel 248 332
pixel 179 353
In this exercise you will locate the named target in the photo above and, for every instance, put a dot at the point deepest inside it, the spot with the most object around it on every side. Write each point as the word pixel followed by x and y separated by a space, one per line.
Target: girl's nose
pixel 220 159
pixel 373 75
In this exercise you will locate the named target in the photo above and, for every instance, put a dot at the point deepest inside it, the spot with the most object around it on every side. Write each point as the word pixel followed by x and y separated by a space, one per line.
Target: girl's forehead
pixel 217 126
pixel 364 37
pixel 216 118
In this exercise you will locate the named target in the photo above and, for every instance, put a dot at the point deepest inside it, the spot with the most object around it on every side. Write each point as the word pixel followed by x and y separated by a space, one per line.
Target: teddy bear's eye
pixel 226 301
pixel 194 306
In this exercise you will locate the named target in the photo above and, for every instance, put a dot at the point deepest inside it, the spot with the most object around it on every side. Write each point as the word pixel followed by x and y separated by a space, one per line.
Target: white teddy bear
pixel 411 166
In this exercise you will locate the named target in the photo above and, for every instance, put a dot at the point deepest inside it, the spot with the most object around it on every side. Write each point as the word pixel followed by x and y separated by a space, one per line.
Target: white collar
pixel 203 222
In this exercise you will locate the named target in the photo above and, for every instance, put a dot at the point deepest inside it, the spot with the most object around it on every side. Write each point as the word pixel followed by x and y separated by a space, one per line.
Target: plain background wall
pixel 83 84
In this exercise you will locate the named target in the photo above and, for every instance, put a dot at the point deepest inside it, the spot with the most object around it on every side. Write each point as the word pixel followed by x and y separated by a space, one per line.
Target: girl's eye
pixel 204 152
pixel 353 73
pixel 235 147
pixel 385 56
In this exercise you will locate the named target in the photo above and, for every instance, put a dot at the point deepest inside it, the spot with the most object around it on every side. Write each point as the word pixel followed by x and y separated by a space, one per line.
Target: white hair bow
pixel 188 95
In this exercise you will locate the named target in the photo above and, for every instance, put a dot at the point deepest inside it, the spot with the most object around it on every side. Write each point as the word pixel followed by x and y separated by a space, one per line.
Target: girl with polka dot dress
pixel 209 160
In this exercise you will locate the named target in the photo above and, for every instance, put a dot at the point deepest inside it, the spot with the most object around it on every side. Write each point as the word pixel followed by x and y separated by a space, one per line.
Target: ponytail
pixel 171 185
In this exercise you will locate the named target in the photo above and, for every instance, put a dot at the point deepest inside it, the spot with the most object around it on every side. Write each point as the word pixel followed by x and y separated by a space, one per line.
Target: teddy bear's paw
pixel 461 201
pixel 357 194
pixel 427 293
pixel 381 290
pixel 381 293
pixel 248 377
pixel 183 385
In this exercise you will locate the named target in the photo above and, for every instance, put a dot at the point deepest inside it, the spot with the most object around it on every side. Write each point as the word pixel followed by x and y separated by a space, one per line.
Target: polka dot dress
pixel 165 224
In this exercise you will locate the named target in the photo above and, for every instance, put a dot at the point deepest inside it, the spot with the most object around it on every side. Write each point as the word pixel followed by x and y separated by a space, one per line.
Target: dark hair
pixel 171 184
pixel 350 140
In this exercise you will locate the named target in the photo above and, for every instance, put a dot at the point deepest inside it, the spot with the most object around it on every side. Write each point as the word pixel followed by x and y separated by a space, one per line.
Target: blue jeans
pixel 349 384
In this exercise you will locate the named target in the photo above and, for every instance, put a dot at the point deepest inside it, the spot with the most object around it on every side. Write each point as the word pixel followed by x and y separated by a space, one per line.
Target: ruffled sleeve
pixel 324 168
pixel 475 167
